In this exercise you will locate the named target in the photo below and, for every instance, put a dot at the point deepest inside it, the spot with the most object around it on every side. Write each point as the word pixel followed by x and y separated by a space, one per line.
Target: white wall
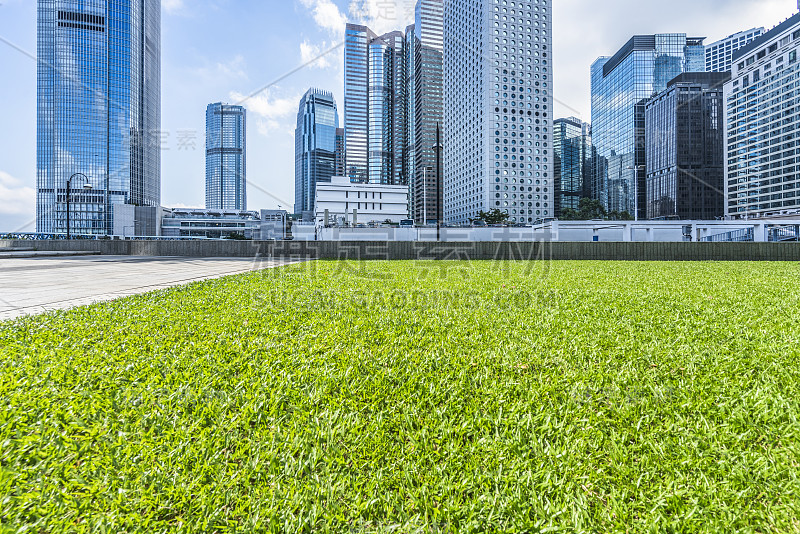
pixel 577 231
pixel 372 202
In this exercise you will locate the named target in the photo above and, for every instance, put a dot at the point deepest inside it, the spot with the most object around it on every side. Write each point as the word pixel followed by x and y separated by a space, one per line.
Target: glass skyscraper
pixel 498 105
pixel 99 110
pixel 685 133
pixel 621 85
pixel 375 110
pixel 340 168
pixel 572 153
pixel 425 71
pixel 315 147
pixel 226 157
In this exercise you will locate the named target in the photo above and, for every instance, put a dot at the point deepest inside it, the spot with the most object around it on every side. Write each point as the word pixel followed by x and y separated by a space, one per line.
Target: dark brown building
pixel 685 148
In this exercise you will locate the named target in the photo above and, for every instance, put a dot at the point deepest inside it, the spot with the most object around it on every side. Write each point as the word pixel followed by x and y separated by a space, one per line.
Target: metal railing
pixel 743 235
pixel 31 236
pixel 784 233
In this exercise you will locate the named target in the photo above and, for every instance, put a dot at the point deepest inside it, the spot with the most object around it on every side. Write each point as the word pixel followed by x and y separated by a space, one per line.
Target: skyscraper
pixel 425 111
pixel 315 142
pixel 99 111
pixel 762 113
pixel 226 157
pixel 375 117
pixel 685 135
pixel 720 54
pixel 339 148
pixel 498 101
pixel 621 86
pixel 572 153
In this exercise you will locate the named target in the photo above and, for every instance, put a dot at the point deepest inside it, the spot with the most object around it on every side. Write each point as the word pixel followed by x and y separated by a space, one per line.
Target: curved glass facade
pixel 226 157
pixel 426 113
pixel 621 85
pixel 356 101
pixel 99 110
pixel 316 139
pixel 375 109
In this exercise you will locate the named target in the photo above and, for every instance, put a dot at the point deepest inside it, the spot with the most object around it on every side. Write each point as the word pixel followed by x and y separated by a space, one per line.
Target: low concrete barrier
pixel 390 250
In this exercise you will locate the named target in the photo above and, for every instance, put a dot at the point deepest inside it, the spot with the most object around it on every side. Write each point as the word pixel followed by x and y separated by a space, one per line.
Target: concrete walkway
pixel 35 285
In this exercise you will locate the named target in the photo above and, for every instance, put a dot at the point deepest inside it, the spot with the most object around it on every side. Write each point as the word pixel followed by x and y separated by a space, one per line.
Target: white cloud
pixel 208 72
pixel 317 56
pixel 172 6
pixel 327 16
pixel 383 16
pixel 272 113
pixel 380 15
pixel 16 198
pixel 235 68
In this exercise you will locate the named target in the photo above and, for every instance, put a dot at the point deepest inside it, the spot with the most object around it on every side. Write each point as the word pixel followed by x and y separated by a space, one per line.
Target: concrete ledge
pixel 44 254
pixel 419 250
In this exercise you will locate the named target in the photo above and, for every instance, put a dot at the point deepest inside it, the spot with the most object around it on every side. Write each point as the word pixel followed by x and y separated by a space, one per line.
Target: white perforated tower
pixel 498 109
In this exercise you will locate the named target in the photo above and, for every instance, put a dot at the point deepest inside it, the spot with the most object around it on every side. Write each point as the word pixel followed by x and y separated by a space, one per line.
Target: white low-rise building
pixel 347 203
pixel 223 224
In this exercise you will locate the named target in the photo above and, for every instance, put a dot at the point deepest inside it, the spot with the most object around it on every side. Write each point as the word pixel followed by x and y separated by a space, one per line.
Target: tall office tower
pixel 339 148
pixel 375 122
pixel 226 157
pixel 685 147
pixel 572 152
pixel 762 110
pixel 99 111
pixel 425 76
pixel 410 100
pixel 498 109
pixel 621 85
pixel 315 147
pixel 720 54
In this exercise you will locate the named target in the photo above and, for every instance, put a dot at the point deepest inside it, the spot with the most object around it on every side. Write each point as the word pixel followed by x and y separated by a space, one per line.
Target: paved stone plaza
pixel 34 285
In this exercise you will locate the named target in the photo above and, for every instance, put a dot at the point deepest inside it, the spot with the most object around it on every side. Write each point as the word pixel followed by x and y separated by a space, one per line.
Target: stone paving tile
pixel 35 285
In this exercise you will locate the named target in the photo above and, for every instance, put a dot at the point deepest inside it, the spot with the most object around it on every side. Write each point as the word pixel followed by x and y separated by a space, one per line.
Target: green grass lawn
pixel 413 397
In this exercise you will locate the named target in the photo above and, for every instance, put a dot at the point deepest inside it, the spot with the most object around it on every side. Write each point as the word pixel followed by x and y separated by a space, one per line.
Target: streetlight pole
pixel 87 186
pixel 635 169
pixel 437 148
pixel 424 196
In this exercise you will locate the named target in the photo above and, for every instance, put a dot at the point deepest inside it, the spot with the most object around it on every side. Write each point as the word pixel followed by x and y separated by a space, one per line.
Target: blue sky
pixel 227 50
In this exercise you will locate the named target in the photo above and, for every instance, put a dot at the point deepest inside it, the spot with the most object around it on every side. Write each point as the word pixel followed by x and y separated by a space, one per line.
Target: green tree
pixel 589 209
pixel 620 216
pixel 495 216
pixel 570 214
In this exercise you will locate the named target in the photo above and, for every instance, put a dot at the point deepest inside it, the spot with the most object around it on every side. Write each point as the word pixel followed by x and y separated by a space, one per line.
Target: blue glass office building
pixel 621 85
pixel 99 110
pixel 315 147
pixel 572 143
pixel 376 111
pixel 425 46
pixel 226 157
